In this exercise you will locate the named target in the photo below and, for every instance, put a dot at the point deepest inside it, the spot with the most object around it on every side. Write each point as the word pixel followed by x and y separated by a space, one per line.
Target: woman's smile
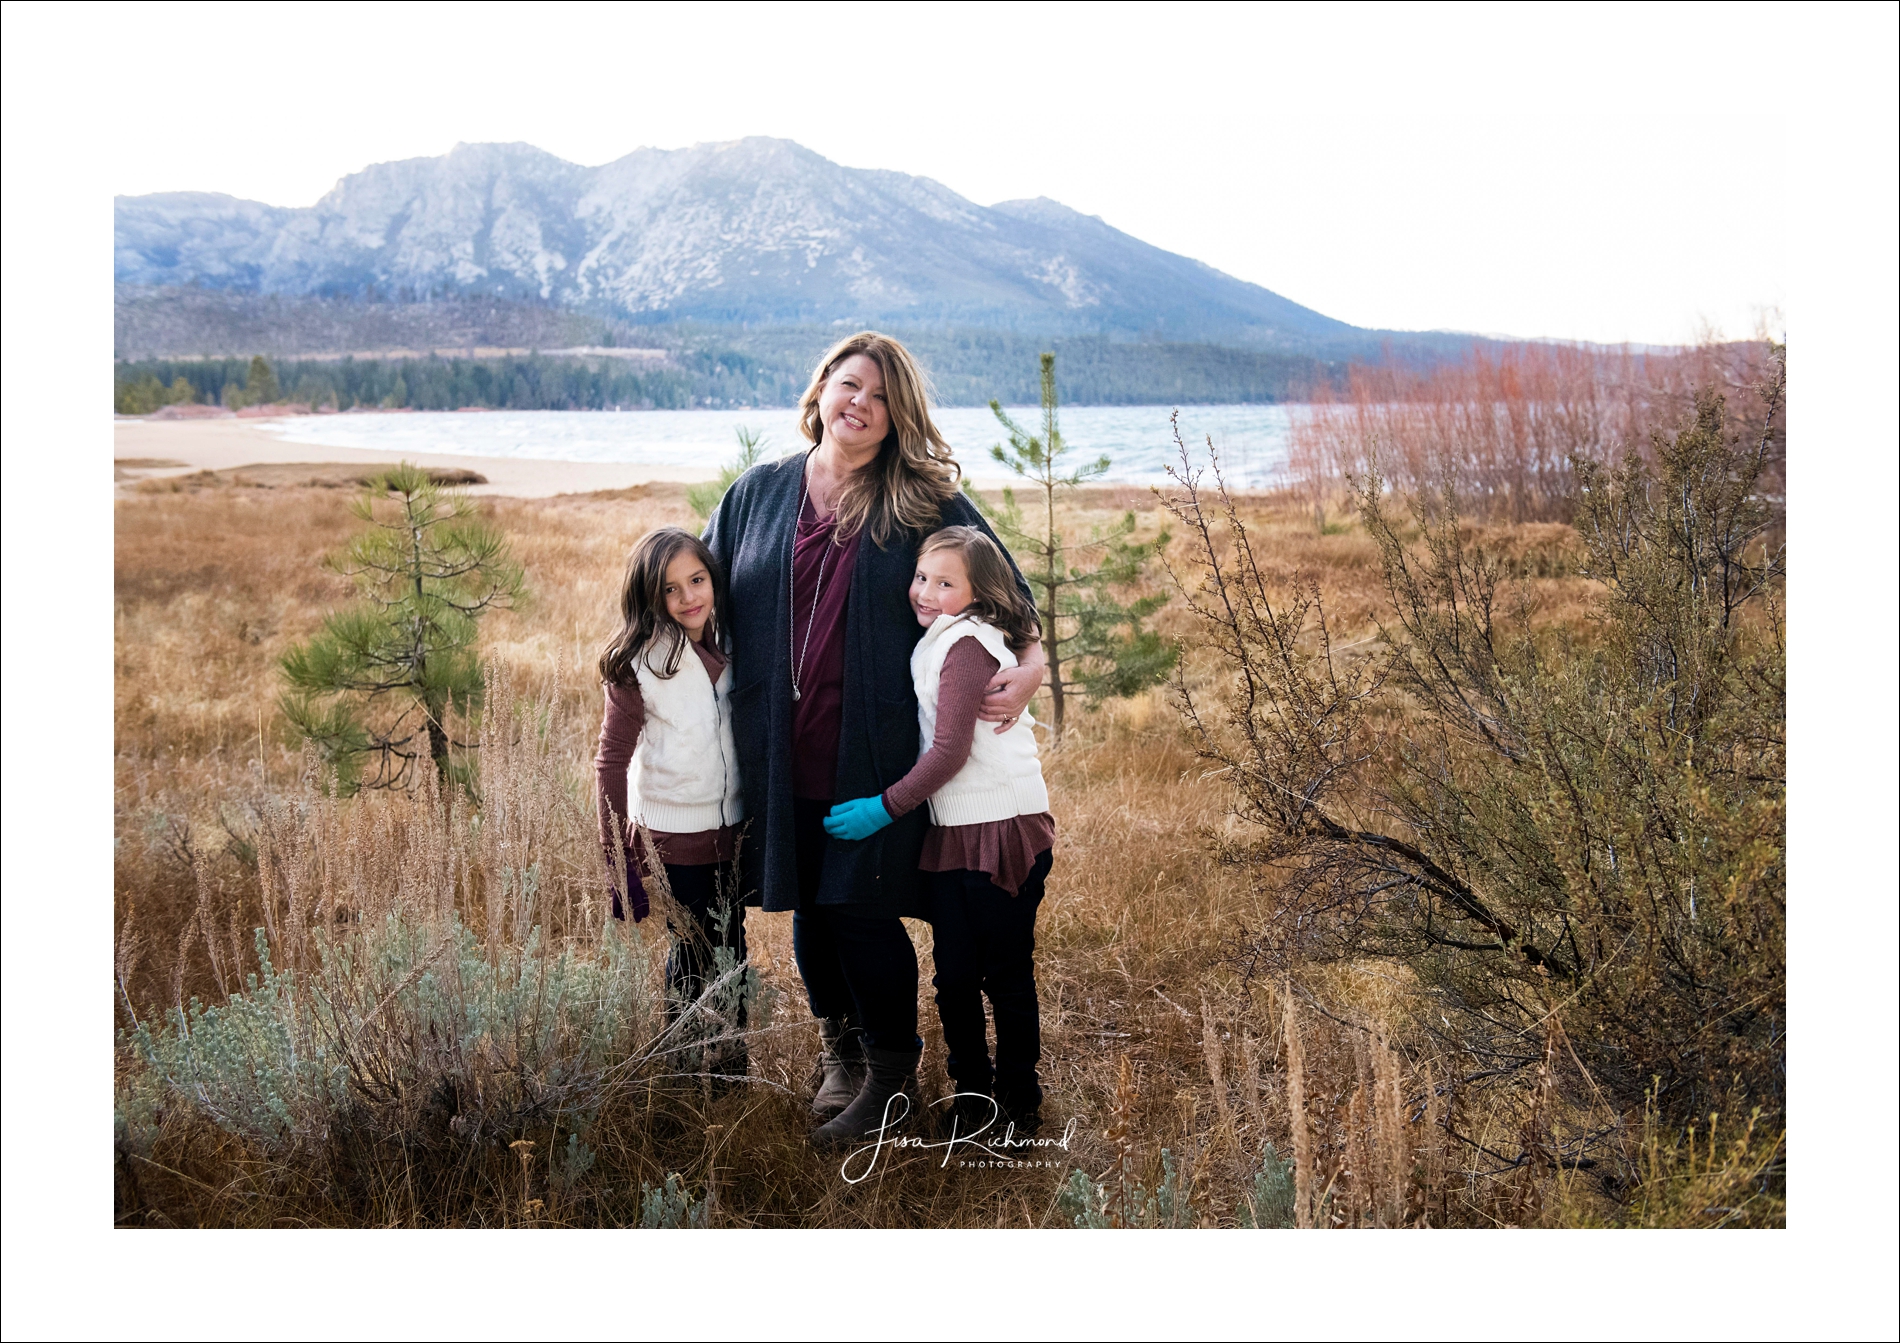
pixel 852 406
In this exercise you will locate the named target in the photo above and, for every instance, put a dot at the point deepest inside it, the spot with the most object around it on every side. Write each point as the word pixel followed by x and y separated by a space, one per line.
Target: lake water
pixel 1251 439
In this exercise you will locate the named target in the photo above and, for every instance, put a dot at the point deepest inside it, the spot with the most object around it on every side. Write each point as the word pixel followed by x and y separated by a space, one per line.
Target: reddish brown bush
pixel 1502 426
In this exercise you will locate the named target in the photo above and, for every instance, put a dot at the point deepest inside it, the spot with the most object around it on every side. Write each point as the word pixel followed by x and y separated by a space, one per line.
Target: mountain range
pixel 749 232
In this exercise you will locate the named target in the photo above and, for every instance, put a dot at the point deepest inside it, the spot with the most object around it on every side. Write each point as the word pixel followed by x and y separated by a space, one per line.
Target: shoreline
pixel 222 443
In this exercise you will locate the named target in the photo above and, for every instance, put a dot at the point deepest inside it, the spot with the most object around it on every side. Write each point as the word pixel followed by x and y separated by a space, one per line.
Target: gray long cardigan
pixel 878 739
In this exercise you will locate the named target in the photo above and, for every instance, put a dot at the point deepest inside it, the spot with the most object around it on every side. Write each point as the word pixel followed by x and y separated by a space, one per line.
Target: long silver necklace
pixel 798 653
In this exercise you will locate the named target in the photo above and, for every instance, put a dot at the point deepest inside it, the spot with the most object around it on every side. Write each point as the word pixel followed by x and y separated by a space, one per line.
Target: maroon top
pixel 818 712
pixel 620 730
pixel 1006 850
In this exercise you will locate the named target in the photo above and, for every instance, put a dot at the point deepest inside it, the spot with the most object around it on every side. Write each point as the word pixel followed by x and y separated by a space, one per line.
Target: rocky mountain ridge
pixel 748 231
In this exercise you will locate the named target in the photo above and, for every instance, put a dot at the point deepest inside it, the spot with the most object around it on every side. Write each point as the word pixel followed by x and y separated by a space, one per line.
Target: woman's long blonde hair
pixel 905 489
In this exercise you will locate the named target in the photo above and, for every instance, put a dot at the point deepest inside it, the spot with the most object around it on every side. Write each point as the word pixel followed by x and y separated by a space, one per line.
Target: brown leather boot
pixel 841 1067
pixel 884 1100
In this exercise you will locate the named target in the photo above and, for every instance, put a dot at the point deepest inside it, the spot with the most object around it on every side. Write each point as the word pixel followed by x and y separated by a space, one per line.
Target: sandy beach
pixel 219 445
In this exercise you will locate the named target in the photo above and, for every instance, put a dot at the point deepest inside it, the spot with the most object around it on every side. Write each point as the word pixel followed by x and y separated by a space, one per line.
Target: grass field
pixel 1176 1066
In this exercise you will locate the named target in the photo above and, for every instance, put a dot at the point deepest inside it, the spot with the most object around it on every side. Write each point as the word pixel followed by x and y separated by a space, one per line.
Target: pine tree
pixel 377 686
pixel 1096 645
pixel 704 498
pixel 260 383
pixel 149 394
pixel 138 398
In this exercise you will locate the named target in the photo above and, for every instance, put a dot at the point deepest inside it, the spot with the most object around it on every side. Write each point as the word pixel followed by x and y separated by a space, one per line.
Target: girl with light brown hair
pixel 991 837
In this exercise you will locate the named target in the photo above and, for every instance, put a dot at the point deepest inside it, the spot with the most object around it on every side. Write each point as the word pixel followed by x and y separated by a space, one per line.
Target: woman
pixel 820 549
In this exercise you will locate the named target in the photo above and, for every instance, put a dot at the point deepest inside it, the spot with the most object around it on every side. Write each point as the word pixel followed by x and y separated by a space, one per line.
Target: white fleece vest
pixel 685 775
pixel 1001 779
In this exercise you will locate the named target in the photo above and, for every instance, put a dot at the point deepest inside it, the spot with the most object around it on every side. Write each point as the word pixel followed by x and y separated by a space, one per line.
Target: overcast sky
pixel 1605 173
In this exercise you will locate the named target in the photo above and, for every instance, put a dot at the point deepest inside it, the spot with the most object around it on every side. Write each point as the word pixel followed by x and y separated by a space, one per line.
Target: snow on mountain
pixel 754 230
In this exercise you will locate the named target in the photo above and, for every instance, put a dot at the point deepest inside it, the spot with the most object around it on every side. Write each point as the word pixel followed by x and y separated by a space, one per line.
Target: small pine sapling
pixel 704 497
pixel 1096 644
pixel 375 687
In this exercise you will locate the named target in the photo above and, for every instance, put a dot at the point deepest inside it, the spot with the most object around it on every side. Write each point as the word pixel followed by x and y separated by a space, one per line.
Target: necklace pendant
pixel 794 694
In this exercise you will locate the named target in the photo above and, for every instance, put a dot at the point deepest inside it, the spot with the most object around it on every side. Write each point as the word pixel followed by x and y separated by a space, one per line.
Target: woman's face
pixel 941 586
pixel 851 407
pixel 689 594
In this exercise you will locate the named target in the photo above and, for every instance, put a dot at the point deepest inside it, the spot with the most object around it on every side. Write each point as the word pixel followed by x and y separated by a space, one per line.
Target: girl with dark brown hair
pixel 668 723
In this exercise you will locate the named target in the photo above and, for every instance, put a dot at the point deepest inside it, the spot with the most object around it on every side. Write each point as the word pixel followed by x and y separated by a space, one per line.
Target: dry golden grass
pixel 1134 938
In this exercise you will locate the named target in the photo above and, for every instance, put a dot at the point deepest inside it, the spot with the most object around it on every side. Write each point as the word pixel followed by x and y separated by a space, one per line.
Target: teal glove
pixel 859 818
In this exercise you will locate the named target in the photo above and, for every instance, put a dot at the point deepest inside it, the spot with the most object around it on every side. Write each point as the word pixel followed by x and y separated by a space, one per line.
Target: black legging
pixel 861 969
pixel 709 893
pixel 986 947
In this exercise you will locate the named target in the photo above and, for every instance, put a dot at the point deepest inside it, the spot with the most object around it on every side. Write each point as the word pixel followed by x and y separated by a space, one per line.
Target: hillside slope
pixel 749 231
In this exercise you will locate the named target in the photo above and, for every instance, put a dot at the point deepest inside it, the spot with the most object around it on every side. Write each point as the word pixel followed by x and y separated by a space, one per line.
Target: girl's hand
pixel 638 905
pixel 1012 688
pixel 859 818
